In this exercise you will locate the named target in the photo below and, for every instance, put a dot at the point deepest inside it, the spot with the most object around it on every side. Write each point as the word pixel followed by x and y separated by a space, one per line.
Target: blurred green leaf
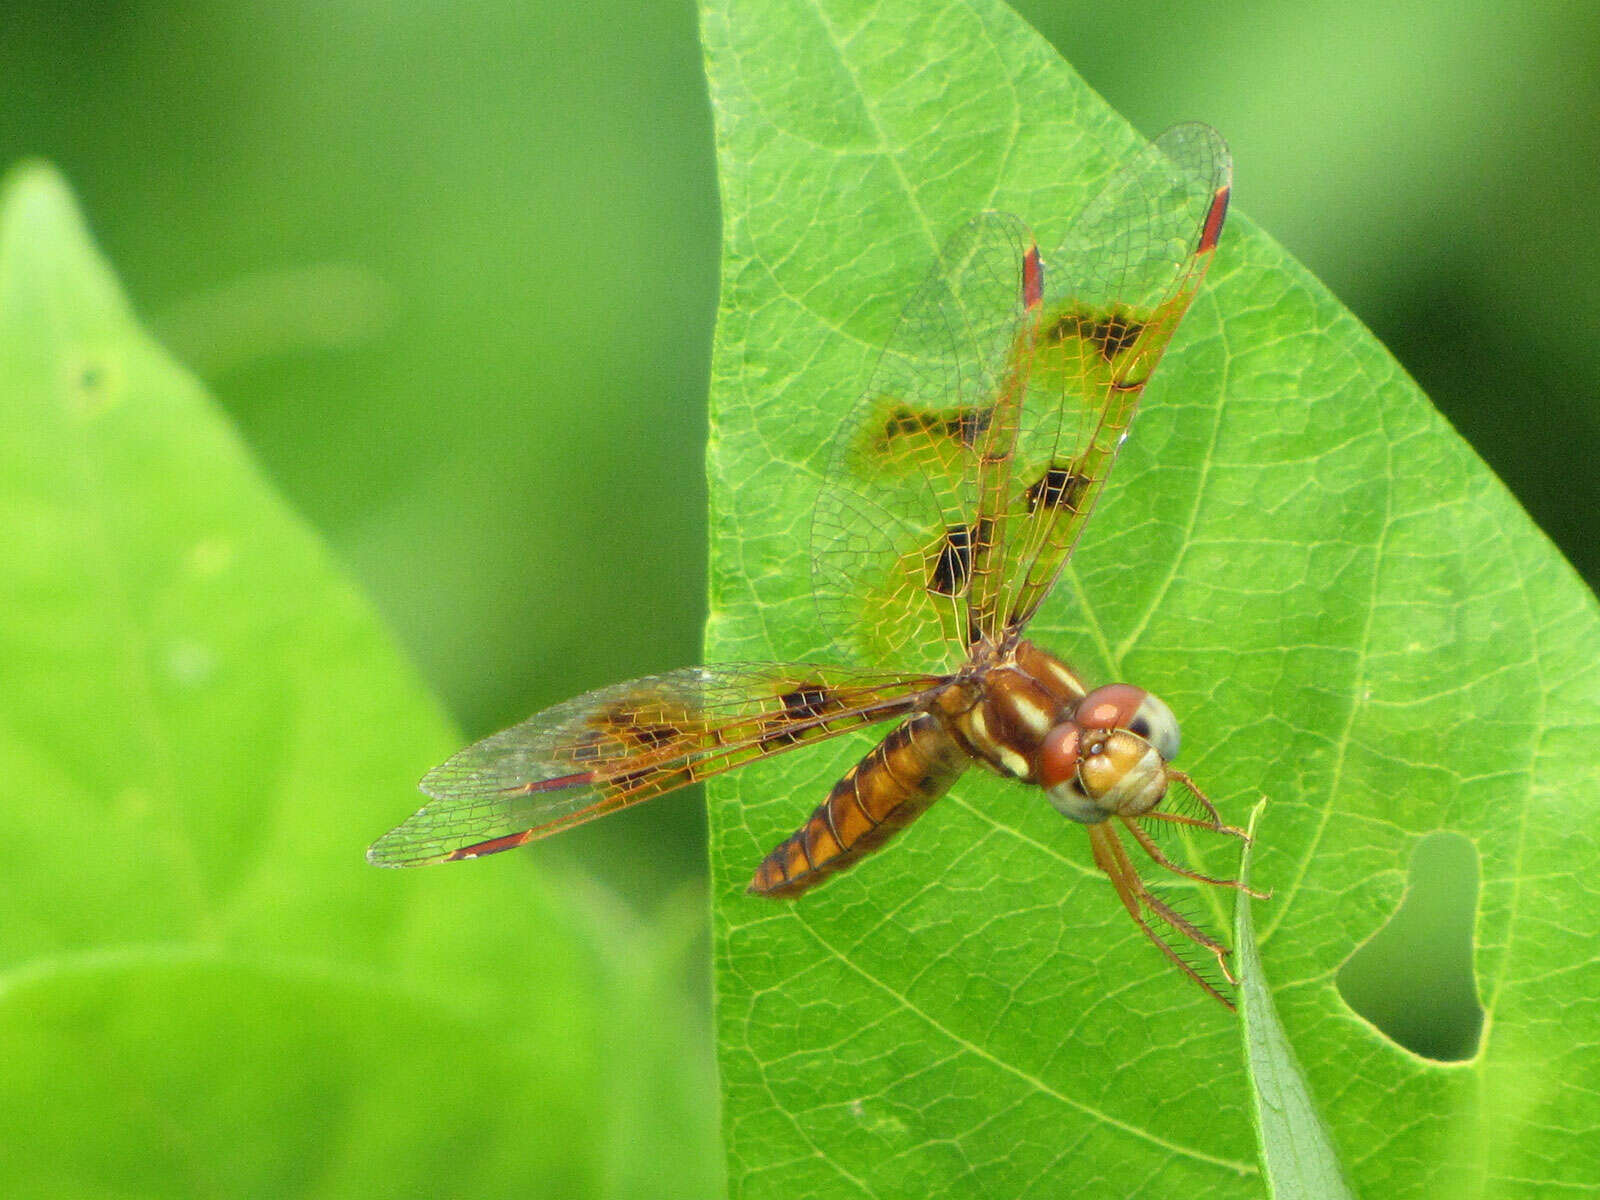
pixel 203 986
pixel 1346 609
pixel 1297 1155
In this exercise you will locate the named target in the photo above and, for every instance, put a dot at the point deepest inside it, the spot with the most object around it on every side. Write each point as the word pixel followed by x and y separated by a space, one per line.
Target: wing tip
pixel 379 855
pixel 393 851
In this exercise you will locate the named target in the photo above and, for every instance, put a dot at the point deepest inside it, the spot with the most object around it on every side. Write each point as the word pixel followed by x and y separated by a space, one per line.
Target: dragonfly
pixel 958 486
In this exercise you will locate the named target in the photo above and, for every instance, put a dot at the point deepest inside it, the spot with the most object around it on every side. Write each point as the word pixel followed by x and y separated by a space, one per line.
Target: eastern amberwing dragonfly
pixel 958 486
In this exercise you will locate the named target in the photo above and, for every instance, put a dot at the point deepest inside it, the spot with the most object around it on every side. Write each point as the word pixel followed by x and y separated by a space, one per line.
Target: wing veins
pixel 474 810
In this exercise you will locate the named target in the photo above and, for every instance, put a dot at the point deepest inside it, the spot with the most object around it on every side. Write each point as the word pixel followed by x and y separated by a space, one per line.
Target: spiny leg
pixel 1157 814
pixel 1190 786
pixel 1169 914
pixel 1161 860
pixel 1134 895
pixel 1111 858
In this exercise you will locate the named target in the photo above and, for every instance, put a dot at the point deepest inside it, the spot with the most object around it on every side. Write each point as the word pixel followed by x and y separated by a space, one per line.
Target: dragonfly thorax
pixel 1000 711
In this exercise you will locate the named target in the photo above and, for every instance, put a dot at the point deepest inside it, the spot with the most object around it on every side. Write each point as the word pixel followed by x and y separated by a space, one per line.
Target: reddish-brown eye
pixel 1109 707
pixel 1123 706
pixel 1058 755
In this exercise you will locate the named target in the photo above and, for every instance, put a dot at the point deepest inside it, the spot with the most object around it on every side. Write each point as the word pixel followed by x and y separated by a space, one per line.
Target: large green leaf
pixel 1347 611
pixel 204 988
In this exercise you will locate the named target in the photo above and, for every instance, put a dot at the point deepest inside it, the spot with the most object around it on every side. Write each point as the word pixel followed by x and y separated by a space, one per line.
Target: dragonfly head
pixel 1110 757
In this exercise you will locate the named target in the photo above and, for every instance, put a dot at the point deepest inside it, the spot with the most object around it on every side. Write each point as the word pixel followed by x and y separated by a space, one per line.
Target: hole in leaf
pixel 1413 978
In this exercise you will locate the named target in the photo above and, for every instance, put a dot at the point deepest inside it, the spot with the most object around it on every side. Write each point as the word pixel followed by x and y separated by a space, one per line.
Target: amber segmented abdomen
pixel 882 794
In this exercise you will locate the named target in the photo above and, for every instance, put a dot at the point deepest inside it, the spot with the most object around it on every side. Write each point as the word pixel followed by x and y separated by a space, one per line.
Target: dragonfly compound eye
pixel 1058 755
pixel 1155 723
pixel 1123 706
pixel 1057 772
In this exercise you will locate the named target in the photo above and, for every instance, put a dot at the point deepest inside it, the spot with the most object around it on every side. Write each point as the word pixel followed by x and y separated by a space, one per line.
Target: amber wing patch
pixel 626 743
pixel 964 475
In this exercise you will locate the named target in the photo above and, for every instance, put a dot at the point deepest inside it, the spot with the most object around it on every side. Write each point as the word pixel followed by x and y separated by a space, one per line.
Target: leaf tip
pixel 36 199
pixel 45 241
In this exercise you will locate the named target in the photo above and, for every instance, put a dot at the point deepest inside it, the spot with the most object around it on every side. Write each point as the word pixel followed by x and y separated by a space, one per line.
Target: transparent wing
pixel 1113 296
pixel 962 478
pixel 629 742
pixel 895 525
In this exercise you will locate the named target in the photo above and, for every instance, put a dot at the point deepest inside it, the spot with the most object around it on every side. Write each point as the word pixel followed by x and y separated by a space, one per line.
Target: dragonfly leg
pixel 1112 858
pixel 1193 789
pixel 1161 860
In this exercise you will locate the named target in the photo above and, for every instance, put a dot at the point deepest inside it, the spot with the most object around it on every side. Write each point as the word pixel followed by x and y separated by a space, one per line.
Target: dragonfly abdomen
pixel 882 794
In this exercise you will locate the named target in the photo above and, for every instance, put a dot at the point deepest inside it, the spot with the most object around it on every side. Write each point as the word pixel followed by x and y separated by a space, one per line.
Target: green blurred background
pixel 451 267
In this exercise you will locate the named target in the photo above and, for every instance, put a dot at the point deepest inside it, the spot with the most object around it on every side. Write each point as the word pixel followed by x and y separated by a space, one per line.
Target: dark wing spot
pixel 1114 335
pixel 805 703
pixel 780 737
pixel 1057 488
pixel 808 700
pixel 969 426
pixel 901 422
pixel 662 779
pixel 952 569
pixel 965 425
pixel 625 726
pixel 1110 334
pixel 1063 327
